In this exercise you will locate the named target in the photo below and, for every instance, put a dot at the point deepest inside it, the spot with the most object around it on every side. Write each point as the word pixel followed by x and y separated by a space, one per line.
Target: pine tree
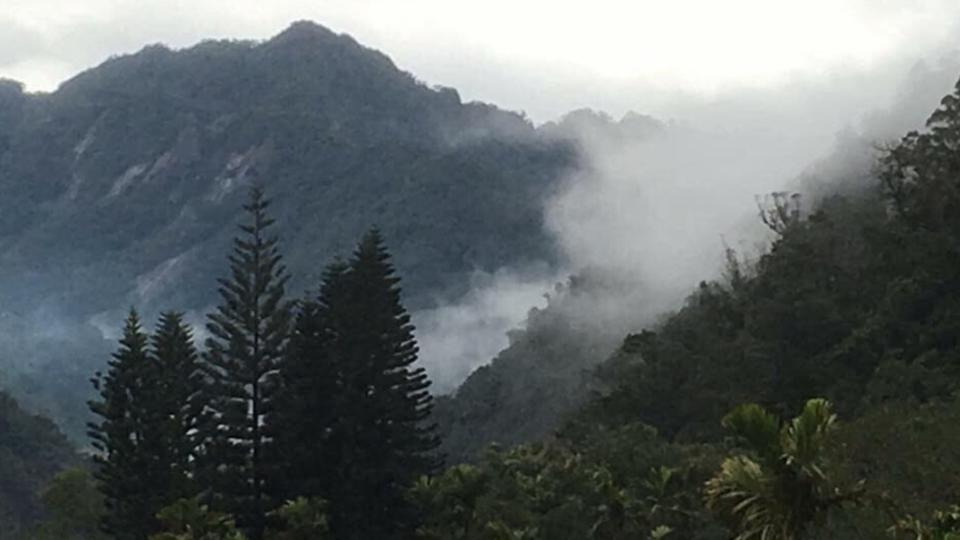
pixel 372 398
pixel 175 418
pixel 118 435
pixel 309 402
pixel 249 331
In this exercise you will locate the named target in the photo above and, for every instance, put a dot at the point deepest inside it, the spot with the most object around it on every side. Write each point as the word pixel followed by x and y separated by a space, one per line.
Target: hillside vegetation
pixel 32 451
pixel 848 322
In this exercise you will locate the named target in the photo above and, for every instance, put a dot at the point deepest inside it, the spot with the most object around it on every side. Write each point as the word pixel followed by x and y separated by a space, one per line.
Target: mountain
pixel 123 187
pixel 141 160
pixel 32 451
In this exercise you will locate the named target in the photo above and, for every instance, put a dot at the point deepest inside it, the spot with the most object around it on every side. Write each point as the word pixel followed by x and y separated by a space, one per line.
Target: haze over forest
pixel 606 238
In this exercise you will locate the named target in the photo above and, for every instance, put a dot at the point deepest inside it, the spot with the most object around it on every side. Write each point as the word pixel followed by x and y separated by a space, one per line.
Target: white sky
pixel 541 56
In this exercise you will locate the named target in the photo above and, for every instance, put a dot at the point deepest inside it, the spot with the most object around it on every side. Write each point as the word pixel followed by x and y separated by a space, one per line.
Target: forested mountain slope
pixel 812 392
pixel 846 301
pixel 130 170
pixel 531 387
pixel 122 187
pixel 32 450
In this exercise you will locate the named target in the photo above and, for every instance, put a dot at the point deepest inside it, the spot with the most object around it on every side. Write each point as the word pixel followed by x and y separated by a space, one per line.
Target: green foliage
pixel 302 519
pixel 176 411
pixel 74 508
pixel 124 409
pixel 908 452
pixel 352 426
pixel 758 428
pixel 604 486
pixel 945 526
pixel 32 451
pixel 784 488
pixel 833 309
pixel 149 411
pixel 918 174
pixel 528 492
pixel 855 302
pixel 308 406
pixel 188 519
pixel 249 332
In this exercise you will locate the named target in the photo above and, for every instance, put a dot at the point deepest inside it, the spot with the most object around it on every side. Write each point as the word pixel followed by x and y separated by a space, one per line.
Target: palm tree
pixel 781 487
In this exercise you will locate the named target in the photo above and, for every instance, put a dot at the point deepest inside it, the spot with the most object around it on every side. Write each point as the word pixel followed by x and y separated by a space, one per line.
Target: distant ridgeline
pixel 122 187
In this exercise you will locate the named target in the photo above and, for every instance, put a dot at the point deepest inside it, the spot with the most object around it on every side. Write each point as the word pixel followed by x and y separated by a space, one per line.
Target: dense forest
pixel 810 392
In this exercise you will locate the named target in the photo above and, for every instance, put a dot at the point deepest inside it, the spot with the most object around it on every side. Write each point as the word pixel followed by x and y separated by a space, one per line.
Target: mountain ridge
pixel 123 186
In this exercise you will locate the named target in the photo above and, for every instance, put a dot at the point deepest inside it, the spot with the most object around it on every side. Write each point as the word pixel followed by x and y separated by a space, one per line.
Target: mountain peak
pixel 307 40
pixel 304 31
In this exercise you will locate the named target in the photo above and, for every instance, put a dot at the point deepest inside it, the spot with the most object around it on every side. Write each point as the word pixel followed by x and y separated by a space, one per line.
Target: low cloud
pixel 460 335
pixel 655 203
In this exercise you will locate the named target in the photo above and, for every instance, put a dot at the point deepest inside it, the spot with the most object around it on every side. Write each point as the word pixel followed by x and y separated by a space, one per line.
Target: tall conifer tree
pixel 361 401
pixel 312 395
pixel 175 417
pixel 118 436
pixel 249 331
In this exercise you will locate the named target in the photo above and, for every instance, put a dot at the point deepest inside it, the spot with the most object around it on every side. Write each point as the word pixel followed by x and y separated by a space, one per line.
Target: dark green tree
pixel 175 416
pixel 74 508
pixel 312 394
pixel 189 519
pixel 302 519
pixel 32 452
pixel 382 400
pixel 249 331
pixel 118 435
pixel 352 422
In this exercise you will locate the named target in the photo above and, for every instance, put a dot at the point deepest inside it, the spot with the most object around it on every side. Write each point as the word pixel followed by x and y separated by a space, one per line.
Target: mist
pixel 656 201
pixel 473 328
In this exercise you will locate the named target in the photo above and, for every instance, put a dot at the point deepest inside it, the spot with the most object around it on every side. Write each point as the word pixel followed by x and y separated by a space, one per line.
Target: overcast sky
pixel 543 57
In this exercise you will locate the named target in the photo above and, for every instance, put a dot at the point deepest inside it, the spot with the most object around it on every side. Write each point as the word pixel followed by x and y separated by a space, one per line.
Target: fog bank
pixel 656 201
